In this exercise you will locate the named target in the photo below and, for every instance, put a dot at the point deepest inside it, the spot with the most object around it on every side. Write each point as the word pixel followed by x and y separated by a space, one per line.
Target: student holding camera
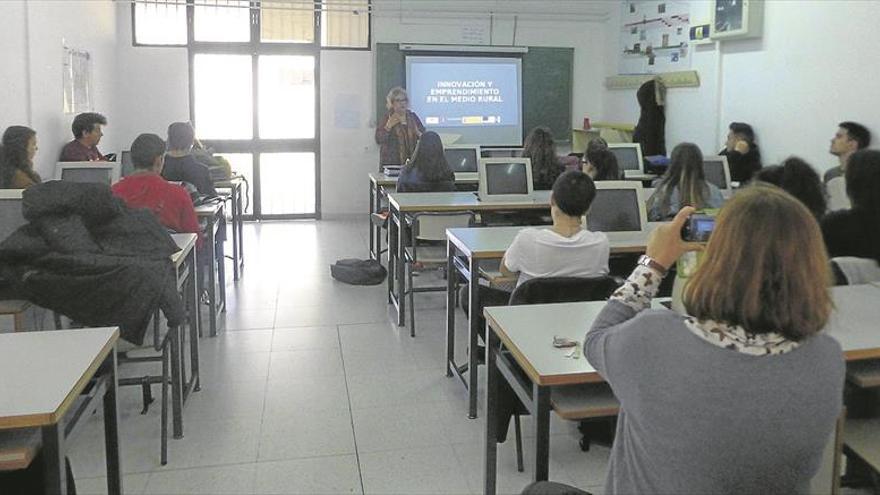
pixel 745 386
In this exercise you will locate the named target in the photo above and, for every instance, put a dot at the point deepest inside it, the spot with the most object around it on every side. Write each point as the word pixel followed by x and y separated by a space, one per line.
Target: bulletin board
pixel 654 36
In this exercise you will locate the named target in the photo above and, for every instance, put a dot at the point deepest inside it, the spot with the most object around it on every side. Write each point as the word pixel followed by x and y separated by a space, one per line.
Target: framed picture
pixel 734 19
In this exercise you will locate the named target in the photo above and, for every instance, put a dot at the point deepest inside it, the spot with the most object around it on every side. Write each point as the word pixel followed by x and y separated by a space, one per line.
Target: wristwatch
pixel 650 262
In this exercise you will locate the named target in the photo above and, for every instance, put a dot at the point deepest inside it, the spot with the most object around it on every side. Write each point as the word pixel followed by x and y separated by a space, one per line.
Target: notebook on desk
pixel 505 179
pixel 464 161
pixel 618 210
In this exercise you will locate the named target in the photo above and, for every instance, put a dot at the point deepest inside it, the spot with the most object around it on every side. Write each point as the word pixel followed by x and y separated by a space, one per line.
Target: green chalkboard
pixel 547 80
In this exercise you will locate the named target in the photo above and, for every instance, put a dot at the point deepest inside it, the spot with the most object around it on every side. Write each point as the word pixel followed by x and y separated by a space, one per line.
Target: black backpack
pixel 358 272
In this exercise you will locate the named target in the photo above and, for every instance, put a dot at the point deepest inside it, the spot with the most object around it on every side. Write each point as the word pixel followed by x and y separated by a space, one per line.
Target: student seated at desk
pixel 87 131
pixel 742 395
pixel 19 145
pixel 850 137
pixel 567 249
pixel 181 164
pixel 540 148
pixel 602 165
pixel 799 179
pixel 427 170
pixel 743 155
pixel 856 232
pixel 146 188
pixel 684 184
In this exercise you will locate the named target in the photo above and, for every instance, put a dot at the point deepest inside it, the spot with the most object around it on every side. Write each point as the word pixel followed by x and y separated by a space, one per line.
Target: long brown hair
pixel 685 172
pixel 765 267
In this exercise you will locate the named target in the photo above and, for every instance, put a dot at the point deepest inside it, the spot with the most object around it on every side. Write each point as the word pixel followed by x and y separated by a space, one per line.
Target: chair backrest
pixel 563 289
pixel 849 270
pixel 837 198
pixel 10 212
pixel 433 227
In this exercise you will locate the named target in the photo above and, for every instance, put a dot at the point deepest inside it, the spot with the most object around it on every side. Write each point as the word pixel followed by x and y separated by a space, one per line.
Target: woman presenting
pixel 398 131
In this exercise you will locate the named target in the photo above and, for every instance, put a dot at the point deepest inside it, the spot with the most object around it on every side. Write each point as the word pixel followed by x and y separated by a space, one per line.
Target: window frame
pixel 190 39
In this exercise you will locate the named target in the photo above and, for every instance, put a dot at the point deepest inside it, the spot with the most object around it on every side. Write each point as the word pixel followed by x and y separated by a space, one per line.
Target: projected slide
pixel 477 98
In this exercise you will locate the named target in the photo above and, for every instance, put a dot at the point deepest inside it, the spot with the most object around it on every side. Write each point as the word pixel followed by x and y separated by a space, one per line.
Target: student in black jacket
pixel 181 165
pixel 743 155
pixel 856 232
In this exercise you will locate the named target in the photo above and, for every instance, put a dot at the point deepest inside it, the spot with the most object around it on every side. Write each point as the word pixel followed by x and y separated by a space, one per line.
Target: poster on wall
pixel 654 37
pixel 77 81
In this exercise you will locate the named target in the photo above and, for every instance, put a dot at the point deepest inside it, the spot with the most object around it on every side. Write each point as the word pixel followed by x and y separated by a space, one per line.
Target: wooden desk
pixel 466 250
pixel 44 373
pixel 523 331
pixel 380 185
pixel 214 216
pixel 234 185
pixel 400 204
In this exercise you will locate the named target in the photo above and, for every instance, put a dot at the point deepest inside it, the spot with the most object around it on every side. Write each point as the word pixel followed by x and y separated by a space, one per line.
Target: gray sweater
pixel 698 418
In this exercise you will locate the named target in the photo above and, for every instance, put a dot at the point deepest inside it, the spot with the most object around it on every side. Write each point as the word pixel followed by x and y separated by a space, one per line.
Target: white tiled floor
pixel 311 388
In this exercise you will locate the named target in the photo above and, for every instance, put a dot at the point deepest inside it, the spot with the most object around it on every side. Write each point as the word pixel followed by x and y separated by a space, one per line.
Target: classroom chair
pixel 427 249
pixel 586 403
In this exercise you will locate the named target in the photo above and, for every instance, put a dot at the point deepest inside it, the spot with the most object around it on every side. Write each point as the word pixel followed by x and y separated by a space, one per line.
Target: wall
pixel 807 73
pixel 31 59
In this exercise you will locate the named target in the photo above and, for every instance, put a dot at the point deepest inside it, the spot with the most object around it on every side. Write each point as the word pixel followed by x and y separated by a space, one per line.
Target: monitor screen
pixel 615 210
pixel 126 163
pixel 462 159
pixel 714 171
pixel 627 158
pixel 87 174
pixel 507 178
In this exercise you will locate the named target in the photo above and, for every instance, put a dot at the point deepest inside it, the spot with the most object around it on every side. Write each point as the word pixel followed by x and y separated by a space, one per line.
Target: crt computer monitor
pixel 619 206
pixel 11 217
pixel 503 179
pixel 101 172
pixel 717 171
pixel 462 159
pixel 629 157
pixel 125 163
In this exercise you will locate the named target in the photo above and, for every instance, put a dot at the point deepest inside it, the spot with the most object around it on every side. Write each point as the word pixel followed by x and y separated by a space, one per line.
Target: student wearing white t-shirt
pixel 567 249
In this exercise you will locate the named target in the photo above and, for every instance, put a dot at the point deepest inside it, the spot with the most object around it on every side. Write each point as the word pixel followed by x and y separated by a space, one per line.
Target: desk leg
pixel 451 277
pixel 541 396
pixel 212 279
pixel 473 330
pixel 374 253
pixel 392 253
pixel 221 264
pixel 176 383
pixel 492 378
pixel 240 207
pixel 55 473
pixel 235 233
pixel 111 427
pixel 399 269
pixel 192 298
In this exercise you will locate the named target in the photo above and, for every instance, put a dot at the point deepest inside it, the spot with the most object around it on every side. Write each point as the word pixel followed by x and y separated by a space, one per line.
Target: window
pixel 160 22
pixel 343 23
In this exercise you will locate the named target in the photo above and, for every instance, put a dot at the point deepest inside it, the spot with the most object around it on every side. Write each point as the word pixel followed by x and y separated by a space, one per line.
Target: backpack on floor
pixel 358 272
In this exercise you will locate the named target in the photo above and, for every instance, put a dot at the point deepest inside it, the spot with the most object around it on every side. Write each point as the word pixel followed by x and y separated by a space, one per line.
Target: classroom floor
pixel 311 388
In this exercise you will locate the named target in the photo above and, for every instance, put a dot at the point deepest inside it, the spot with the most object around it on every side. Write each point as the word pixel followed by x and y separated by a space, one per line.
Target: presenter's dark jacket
pixel 743 166
pixel 396 146
pixel 852 233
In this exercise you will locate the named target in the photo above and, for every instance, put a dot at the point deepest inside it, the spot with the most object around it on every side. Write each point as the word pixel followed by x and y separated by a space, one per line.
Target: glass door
pixel 254 100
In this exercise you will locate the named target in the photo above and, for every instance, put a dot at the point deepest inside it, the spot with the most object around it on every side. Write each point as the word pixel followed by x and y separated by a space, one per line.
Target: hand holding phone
pixel 698 228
